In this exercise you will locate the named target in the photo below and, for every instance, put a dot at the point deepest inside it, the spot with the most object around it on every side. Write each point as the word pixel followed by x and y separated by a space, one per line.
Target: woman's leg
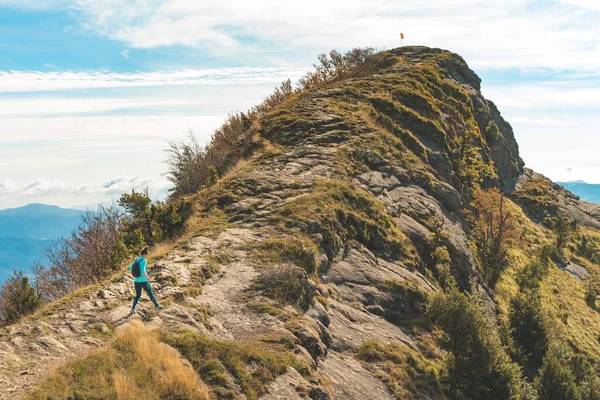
pixel 138 294
pixel 148 290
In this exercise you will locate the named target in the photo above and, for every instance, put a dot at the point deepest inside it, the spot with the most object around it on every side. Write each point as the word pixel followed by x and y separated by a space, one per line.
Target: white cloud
pixel 35 81
pixel 115 186
pixel 559 34
pixel 544 96
pixel 43 187
pixel 156 101
pixel 94 132
pixel 122 184
pixel 7 186
pixel 67 161
pixel 513 33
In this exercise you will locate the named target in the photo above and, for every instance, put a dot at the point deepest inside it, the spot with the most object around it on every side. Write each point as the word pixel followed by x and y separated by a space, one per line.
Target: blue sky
pixel 92 90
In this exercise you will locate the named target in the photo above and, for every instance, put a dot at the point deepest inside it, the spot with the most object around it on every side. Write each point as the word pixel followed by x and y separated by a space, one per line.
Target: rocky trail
pixel 29 350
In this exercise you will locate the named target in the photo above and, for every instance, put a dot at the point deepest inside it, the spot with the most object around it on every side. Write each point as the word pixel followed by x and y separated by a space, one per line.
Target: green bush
pixel 556 380
pixel 287 284
pixel 478 366
pixel 589 247
pixel 154 222
pixel 564 228
pixel 528 328
pixel 530 277
pixel 17 298
pixel 591 295
pixel 407 373
pixel 492 132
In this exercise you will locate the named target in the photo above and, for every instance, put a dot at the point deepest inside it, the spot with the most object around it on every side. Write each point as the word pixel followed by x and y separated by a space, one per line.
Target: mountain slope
pixel 26 232
pixel 320 245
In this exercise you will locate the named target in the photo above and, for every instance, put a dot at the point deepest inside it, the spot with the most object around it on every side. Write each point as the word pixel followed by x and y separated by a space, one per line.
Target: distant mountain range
pixel 586 191
pixel 26 232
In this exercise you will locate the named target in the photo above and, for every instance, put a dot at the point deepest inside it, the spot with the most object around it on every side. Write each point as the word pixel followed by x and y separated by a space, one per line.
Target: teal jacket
pixel 142 277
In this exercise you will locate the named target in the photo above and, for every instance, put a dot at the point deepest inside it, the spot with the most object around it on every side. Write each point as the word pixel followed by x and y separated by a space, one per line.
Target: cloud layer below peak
pixel 114 186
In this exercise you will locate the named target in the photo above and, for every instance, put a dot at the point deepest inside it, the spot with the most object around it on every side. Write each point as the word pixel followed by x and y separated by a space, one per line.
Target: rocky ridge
pixel 359 174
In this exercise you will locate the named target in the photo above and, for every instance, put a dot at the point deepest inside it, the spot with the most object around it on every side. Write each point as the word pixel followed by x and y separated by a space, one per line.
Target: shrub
pixel 556 380
pixel 495 230
pixel 528 328
pixel 439 253
pixel 17 298
pixel 530 277
pixel 191 166
pixel 563 228
pixel 591 295
pixel 492 132
pixel 287 284
pixel 478 367
pixel 154 221
pixel 469 167
pixel 408 374
pixel 589 248
pixel 335 66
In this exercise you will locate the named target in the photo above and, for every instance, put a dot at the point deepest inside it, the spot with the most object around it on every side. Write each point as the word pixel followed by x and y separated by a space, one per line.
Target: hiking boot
pixel 132 311
pixel 158 307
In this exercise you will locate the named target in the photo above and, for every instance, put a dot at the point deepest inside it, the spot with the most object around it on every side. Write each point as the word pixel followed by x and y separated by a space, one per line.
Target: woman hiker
pixel 141 279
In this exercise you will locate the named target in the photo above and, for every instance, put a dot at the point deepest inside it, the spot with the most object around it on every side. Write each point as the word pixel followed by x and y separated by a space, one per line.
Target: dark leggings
pixel 138 292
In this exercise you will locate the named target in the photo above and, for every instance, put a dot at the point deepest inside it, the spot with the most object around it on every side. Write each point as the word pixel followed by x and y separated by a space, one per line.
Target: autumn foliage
pixel 495 230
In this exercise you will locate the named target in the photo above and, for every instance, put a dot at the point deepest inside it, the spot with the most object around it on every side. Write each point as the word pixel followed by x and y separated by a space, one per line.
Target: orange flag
pixel 402 36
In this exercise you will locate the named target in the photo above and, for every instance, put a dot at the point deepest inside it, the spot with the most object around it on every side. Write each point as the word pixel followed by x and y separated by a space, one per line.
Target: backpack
pixel 135 268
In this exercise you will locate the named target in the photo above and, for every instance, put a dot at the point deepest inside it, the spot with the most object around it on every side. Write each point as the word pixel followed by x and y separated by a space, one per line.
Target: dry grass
pixel 126 386
pixel 564 297
pixel 246 366
pixel 136 365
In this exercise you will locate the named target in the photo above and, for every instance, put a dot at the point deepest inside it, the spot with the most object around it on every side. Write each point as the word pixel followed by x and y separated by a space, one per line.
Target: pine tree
pixel 17 298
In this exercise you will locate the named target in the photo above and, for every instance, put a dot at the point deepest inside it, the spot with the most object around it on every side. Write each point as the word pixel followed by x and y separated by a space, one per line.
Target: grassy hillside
pixel 373 235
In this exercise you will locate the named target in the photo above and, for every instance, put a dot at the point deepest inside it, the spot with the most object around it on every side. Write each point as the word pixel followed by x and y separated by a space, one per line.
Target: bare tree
pixel 89 254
